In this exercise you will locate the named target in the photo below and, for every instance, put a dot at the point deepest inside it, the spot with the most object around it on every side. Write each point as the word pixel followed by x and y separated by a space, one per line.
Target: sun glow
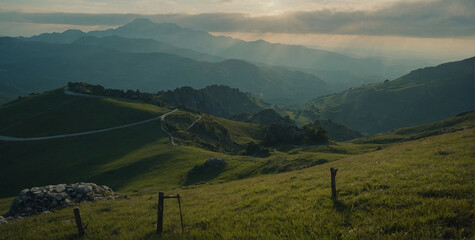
pixel 366 45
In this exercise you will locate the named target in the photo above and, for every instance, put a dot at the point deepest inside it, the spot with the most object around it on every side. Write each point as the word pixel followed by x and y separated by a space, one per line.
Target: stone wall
pixel 42 199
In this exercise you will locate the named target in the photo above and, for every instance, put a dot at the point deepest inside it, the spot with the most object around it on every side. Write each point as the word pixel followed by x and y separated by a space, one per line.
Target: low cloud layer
pixel 435 19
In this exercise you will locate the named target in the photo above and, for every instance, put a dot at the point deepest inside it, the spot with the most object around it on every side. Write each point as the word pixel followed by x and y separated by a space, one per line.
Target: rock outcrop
pixel 206 171
pixel 42 199
pixel 214 163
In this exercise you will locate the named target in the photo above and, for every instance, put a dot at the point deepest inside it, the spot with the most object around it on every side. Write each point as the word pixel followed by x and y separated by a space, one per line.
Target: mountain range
pixel 155 57
pixel 329 64
pixel 425 95
pixel 38 66
pixel 258 51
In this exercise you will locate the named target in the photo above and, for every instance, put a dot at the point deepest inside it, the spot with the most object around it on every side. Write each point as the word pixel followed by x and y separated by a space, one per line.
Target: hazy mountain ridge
pixel 422 96
pixel 259 51
pixel 37 66
pixel 144 46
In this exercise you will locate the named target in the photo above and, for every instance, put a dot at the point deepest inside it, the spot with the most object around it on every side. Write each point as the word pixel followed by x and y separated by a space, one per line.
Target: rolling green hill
pixel 140 156
pixel 263 117
pixel 216 100
pixel 221 101
pixel 425 95
pixel 337 131
pixel 460 122
pixel 422 189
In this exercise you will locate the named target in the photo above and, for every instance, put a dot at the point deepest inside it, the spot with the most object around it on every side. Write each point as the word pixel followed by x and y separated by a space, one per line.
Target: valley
pixel 403 181
pixel 242 133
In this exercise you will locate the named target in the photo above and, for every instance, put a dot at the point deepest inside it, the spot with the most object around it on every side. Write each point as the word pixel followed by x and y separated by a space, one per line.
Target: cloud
pixel 435 19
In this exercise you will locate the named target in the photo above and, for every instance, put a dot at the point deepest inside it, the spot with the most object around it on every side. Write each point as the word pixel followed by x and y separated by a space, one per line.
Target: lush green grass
pixel 131 158
pixel 422 189
pixel 420 97
pixel 463 120
pixel 406 190
pixel 242 133
pixel 55 113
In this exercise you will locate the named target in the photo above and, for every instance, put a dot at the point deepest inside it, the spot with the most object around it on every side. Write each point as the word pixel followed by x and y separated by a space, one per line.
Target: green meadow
pixel 421 189
pixel 418 187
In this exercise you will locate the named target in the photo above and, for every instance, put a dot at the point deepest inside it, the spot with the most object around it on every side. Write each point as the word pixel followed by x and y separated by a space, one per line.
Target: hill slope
pixel 426 95
pixel 263 117
pixel 138 156
pixel 421 189
pixel 9 93
pixel 460 122
pixel 221 101
pixel 337 131
pixel 217 100
pixel 36 66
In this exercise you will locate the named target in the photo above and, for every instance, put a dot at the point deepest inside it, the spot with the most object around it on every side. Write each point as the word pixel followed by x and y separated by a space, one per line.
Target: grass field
pixel 412 183
pixel 422 189
pixel 131 158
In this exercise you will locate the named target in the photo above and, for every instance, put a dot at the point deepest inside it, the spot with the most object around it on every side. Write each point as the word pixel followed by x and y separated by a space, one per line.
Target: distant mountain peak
pixel 260 41
pixel 147 24
pixel 141 21
pixel 73 31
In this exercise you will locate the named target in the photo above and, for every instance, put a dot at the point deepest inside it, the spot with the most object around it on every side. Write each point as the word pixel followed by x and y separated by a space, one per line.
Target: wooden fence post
pixel 78 221
pixel 160 213
pixel 333 174
pixel 181 216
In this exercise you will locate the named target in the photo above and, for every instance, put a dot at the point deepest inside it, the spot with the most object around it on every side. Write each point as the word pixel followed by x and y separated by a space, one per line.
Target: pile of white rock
pixel 43 199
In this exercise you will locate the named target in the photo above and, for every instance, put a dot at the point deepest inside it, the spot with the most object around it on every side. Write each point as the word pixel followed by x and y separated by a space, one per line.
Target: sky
pixel 427 29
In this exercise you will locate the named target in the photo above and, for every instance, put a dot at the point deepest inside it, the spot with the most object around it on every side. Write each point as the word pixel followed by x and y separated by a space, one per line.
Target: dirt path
pixel 199 118
pixel 161 117
pixel 18 139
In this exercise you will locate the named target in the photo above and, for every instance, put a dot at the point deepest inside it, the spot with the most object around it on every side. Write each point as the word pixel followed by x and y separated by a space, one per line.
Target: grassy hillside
pixel 221 101
pixel 422 189
pixel 9 93
pixel 337 131
pixel 422 96
pixel 141 156
pixel 54 113
pixel 462 121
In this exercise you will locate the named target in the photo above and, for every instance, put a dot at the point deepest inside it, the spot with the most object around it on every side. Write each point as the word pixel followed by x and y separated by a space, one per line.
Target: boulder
pixel 215 163
pixel 2 220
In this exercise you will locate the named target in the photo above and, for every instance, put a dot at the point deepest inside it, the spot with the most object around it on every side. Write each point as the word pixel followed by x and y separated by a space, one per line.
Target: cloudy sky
pixel 428 29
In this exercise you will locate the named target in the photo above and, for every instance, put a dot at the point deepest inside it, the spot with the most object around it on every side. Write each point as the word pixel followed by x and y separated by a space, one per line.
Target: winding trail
pixel 169 134
pixel 161 117
pixel 18 139
pixel 199 118
pixel 22 139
